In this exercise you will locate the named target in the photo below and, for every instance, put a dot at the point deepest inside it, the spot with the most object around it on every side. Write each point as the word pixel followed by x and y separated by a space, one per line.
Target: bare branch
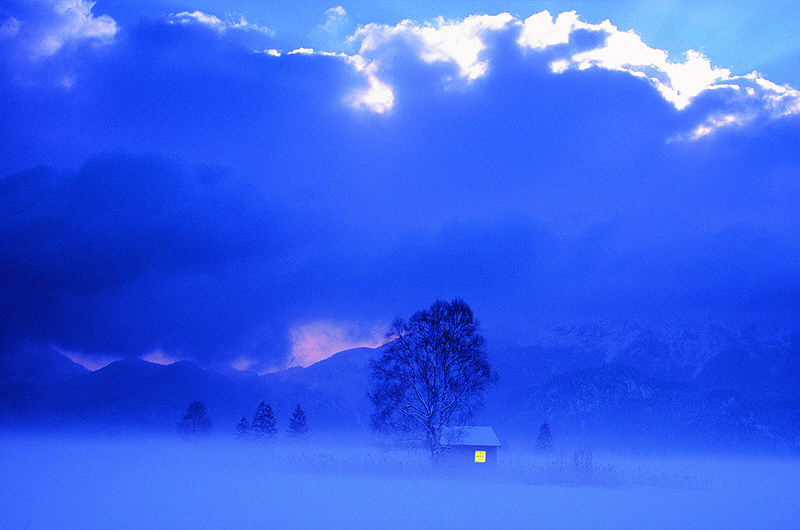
pixel 434 371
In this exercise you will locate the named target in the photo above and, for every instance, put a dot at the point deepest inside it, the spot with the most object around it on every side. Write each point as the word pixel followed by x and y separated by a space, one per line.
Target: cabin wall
pixel 464 455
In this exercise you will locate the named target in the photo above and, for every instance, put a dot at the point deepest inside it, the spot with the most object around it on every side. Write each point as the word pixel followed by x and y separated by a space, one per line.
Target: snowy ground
pixel 60 483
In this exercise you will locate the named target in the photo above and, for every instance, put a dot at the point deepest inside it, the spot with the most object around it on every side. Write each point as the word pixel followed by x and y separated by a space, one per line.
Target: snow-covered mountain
pixel 654 383
pixel 663 383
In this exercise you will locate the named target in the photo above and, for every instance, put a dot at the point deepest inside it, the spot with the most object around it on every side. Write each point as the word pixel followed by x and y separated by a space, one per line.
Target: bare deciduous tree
pixel 195 421
pixel 433 375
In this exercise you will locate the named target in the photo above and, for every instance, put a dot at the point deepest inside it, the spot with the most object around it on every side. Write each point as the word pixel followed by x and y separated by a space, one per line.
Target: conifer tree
pixel 243 429
pixel 298 428
pixel 264 424
pixel 544 442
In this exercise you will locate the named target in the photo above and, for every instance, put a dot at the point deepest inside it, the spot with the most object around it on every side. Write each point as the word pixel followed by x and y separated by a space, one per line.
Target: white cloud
pixel 90 362
pixel 199 17
pixel 378 96
pixel 243 364
pixel 9 28
pixel 185 17
pixel 97 361
pixel 712 124
pixel 67 21
pixel 539 31
pixel 678 82
pixel 337 12
pixel 753 98
pixel 318 340
pixel 159 357
pixel 302 51
pixel 442 40
pixel 782 100
pixel 334 18
pixel 463 42
pixel 459 42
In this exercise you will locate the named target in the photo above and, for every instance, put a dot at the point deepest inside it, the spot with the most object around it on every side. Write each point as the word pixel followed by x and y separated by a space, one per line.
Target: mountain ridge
pixel 569 379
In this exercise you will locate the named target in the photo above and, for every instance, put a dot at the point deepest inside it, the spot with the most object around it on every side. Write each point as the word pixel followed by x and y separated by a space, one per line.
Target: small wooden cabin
pixel 470 445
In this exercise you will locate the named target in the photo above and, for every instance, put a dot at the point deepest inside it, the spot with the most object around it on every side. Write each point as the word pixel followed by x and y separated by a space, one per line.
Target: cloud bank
pixel 187 198
pixel 463 42
pixel 43 27
pixel 214 22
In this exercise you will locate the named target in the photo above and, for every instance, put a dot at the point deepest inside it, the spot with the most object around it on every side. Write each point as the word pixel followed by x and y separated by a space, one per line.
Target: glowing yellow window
pixel 480 456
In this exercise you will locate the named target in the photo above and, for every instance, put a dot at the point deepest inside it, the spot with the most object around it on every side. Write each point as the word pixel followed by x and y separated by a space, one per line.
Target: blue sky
pixel 255 186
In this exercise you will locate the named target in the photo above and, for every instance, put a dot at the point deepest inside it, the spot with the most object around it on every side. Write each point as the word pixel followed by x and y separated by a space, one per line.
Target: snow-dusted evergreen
pixel 264 425
pixel 243 429
pixel 298 427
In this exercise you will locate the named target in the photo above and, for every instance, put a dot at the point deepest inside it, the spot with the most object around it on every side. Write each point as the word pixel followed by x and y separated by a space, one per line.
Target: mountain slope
pixel 661 384
pixel 27 375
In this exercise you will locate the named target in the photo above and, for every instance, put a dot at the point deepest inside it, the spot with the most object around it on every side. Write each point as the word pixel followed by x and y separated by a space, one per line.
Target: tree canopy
pixel 433 374
pixel 195 421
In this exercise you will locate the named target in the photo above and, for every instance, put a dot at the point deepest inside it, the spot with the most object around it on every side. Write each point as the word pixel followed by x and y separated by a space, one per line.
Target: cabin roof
pixel 480 435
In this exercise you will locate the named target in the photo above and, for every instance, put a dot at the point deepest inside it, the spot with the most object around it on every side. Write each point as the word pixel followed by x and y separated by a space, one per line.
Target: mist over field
pixel 80 482
pixel 405 265
pixel 626 451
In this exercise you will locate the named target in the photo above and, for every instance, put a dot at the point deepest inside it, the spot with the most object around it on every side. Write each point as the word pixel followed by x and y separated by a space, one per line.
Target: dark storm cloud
pixel 246 197
pixel 142 230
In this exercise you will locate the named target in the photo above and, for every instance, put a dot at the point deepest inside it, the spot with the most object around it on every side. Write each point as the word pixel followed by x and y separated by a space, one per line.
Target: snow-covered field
pixel 158 483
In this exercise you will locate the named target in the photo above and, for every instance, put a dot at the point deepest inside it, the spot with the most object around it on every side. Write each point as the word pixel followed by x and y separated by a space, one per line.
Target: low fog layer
pixel 52 482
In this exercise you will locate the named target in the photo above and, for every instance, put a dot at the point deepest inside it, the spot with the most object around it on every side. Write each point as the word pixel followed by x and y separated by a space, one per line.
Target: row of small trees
pixel 265 427
pixel 196 422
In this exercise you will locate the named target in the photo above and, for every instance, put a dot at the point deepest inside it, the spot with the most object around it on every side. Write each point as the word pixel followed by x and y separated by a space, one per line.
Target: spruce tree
pixel 298 428
pixel 264 425
pixel 544 443
pixel 243 429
